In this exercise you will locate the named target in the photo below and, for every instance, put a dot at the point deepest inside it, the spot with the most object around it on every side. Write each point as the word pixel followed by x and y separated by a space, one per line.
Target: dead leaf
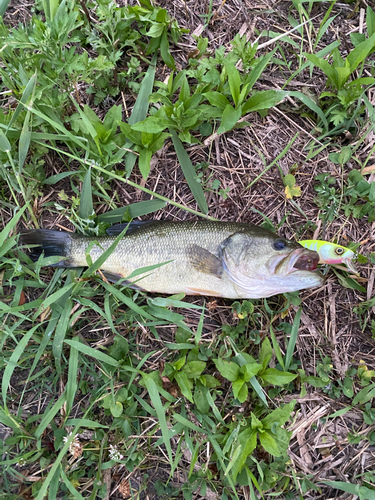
pixel 291 191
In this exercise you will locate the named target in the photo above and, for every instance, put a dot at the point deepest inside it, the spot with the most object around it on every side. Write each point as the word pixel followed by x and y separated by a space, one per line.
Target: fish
pixel 331 253
pixel 212 258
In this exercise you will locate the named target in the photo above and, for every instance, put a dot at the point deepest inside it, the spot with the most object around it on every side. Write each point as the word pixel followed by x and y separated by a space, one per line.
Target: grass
pixel 110 113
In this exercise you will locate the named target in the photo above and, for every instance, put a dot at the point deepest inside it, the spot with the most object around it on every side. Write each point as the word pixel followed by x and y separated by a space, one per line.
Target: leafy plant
pixel 343 103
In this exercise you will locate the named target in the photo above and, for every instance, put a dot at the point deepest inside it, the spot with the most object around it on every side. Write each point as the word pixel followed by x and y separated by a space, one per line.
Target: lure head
pixel 331 253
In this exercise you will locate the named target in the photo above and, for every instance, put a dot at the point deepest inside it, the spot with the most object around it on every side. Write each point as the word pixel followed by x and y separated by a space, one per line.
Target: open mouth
pixel 307 262
pixel 300 259
pixel 303 260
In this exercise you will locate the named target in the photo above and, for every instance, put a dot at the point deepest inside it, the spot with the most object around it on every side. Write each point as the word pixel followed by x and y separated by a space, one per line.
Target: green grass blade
pixel 156 401
pixel 71 386
pixel 3 6
pixel 86 422
pixel 55 483
pixel 133 210
pixel 127 301
pixel 51 299
pixel 258 69
pixel 24 143
pixel 189 172
pixel 140 110
pixel 25 96
pixel 69 485
pixel 100 261
pixel 11 224
pixel 86 207
pixel 61 329
pixel 293 339
pixel 310 104
pixel 56 466
pixel 49 416
pixel 13 360
pixel 94 353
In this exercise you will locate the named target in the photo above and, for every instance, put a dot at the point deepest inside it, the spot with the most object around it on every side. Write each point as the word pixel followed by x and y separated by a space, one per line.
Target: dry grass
pixel 320 447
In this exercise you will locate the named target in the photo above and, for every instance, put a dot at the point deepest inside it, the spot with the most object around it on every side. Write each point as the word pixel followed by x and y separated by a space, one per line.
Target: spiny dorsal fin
pixel 204 261
pixel 132 227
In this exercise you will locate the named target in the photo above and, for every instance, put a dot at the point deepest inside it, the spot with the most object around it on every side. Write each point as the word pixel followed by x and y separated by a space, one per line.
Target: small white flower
pixel 75 447
pixel 114 453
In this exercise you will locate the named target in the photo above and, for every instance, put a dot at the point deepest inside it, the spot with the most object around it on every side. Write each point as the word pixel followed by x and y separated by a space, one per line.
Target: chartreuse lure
pixel 330 253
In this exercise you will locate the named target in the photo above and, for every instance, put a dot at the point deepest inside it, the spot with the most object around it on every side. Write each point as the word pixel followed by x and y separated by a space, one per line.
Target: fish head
pixel 330 253
pixel 264 264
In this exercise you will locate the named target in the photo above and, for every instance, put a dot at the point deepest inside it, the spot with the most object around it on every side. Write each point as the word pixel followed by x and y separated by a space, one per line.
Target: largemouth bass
pixel 221 259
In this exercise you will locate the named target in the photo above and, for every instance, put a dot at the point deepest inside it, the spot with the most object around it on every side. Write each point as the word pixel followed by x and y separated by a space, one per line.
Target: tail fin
pixel 49 243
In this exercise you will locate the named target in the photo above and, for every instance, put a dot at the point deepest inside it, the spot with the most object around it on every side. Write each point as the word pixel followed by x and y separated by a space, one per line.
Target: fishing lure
pixel 330 253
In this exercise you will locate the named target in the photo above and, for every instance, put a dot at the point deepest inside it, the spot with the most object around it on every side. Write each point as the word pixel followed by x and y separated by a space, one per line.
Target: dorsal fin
pixel 132 227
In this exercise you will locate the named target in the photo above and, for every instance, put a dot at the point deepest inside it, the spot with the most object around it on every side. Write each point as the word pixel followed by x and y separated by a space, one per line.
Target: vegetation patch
pixel 248 112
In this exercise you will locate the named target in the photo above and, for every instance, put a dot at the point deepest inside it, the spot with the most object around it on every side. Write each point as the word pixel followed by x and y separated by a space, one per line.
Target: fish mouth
pixel 300 259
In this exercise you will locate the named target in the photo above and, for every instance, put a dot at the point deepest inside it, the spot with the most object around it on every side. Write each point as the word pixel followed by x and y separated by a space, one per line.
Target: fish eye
pixel 339 251
pixel 279 244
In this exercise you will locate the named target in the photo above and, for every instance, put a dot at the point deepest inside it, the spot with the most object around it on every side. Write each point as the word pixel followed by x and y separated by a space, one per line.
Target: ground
pixel 332 434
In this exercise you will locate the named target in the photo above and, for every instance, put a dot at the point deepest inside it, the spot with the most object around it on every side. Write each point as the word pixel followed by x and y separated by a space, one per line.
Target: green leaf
pixel 133 210
pixel 279 416
pixel 189 173
pixel 13 360
pixel 85 422
pixel 156 30
pixel 164 51
pixel 11 225
pixel 229 119
pixel 266 353
pixel 193 369
pixel 156 401
pixel 250 370
pixel 24 143
pixel 61 330
pixel 256 72
pixel 370 21
pixel 248 440
pixel 94 353
pixel 152 124
pixel 116 409
pixel 307 101
pixel 229 370
pixel 321 63
pixel 359 53
pixel 25 96
pixel 140 109
pixel 72 384
pixel 293 339
pixel 269 443
pixel 86 207
pixel 4 143
pixel 237 386
pixel 264 99
pixel 3 6
pixel 185 385
pixel 234 80
pixel 144 162
pixel 276 377
pixel 217 99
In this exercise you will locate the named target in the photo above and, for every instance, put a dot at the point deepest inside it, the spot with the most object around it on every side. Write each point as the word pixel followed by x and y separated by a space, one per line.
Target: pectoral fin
pixel 204 261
